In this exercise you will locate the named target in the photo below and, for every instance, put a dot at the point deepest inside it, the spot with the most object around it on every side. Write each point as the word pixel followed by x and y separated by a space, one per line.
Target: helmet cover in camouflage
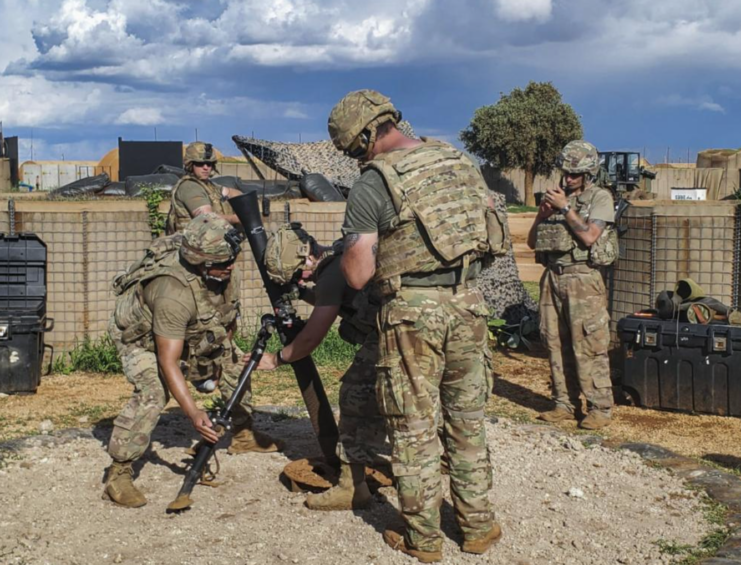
pixel 357 111
pixel 199 152
pixel 287 251
pixel 579 157
pixel 209 239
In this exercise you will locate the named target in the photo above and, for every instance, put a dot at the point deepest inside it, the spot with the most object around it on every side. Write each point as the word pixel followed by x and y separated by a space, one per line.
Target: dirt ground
pixel 559 500
pixel 521 391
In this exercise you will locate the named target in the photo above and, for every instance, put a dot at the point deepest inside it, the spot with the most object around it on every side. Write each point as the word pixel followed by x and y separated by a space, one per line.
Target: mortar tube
pixel 315 398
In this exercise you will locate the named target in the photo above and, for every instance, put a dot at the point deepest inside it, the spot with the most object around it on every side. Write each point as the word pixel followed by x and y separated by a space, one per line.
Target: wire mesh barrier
pixel 90 242
pixel 667 241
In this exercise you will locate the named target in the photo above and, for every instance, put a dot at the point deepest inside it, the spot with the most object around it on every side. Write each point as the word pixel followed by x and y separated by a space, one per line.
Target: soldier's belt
pixel 576 268
pixel 442 277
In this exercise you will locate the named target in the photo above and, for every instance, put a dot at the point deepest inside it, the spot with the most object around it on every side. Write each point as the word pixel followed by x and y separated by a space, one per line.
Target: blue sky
pixel 77 74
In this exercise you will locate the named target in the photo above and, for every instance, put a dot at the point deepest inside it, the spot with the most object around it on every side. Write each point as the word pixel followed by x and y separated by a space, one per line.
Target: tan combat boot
pixel 120 486
pixel 395 540
pixel 482 545
pixel 351 493
pixel 246 440
pixel 595 420
pixel 558 414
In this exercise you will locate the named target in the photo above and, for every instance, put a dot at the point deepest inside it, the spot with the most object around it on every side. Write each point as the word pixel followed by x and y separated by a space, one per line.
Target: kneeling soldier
pixel 177 304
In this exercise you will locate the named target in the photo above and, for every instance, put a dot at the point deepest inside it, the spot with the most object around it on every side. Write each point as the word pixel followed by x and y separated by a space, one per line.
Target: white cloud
pixel 295 113
pixel 34 101
pixel 523 10
pixel 140 117
pixel 712 106
pixel 699 102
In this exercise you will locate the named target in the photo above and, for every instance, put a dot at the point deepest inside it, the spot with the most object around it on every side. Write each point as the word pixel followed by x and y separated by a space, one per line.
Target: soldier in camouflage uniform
pixel 416 225
pixel 573 237
pixel 195 194
pixel 292 254
pixel 177 306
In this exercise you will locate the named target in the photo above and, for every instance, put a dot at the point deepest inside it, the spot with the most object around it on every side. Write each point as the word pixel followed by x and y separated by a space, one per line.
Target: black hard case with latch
pixel 681 366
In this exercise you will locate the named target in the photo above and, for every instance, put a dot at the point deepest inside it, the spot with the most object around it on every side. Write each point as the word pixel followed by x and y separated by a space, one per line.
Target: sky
pixel 661 77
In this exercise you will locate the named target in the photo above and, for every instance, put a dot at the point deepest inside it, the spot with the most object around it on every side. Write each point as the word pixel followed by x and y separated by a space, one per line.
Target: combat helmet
pixel 354 121
pixel 209 239
pixel 286 252
pixel 199 152
pixel 579 157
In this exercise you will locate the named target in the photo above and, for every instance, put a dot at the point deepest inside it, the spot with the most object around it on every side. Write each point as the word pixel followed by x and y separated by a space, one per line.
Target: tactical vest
pixel 440 201
pixel 179 216
pixel 206 340
pixel 555 238
pixel 358 319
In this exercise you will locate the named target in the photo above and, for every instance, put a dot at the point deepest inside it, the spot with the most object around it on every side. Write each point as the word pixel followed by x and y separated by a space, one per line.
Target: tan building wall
pixel 5 185
pixel 88 243
pixel 512 183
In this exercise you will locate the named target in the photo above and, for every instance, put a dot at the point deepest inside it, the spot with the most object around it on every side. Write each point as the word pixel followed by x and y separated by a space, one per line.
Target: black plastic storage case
pixel 681 366
pixel 23 318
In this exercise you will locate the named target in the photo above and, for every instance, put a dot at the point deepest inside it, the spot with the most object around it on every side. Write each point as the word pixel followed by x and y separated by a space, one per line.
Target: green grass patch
pixel 518 209
pixel 97 356
pixel 715 513
pixel 333 352
pixel 533 289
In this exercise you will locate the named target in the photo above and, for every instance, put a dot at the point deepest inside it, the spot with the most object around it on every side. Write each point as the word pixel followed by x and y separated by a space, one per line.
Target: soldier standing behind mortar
pixel 416 224
pixel 293 254
pixel 180 302
pixel 191 197
pixel 195 194
pixel 573 236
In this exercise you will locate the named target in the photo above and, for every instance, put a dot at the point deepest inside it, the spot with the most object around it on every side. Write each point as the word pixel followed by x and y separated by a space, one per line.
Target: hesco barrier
pixel 89 242
pixel 669 240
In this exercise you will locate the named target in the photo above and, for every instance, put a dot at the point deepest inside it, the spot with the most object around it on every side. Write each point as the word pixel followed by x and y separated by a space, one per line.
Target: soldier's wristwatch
pixel 565 209
pixel 279 357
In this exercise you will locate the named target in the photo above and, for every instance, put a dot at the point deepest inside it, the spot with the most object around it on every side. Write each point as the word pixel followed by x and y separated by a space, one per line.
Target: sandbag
pixel 169 169
pixel 230 182
pixel 114 189
pixel 86 186
pixel 134 184
pixel 273 190
pixel 317 188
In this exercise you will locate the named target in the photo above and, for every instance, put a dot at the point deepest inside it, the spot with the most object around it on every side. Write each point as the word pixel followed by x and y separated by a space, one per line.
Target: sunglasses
pixel 203 164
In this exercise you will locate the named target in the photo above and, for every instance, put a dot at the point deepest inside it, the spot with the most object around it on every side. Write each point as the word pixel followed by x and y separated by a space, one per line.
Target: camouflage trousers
pixel 434 362
pixel 362 428
pixel 132 429
pixel 575 324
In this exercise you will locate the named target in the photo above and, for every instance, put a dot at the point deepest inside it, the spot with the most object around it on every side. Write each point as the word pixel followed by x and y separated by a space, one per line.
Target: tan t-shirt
pixel 172 305
pixel 192 195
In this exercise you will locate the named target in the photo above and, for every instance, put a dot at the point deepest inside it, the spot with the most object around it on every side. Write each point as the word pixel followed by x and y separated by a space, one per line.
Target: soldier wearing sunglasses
pixel 196 194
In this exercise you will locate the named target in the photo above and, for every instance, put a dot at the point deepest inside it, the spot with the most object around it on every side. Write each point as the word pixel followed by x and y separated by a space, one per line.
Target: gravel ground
pixel 558 500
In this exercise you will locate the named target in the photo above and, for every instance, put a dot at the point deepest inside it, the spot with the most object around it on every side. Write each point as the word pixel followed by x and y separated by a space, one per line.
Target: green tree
pixel 526 129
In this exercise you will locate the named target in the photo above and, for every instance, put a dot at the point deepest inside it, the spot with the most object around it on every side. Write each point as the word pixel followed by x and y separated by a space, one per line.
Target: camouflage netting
pixel 500 283
pixel 293 160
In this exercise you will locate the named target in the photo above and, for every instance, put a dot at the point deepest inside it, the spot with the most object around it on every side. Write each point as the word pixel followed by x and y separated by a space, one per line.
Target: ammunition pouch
pixel 606 249
pixel 497 232
pixel 554 237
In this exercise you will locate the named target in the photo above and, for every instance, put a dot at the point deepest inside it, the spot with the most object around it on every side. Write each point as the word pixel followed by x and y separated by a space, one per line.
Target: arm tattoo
pixel 576 223
pixel 351 239
pixel 599 223
pixel 374 249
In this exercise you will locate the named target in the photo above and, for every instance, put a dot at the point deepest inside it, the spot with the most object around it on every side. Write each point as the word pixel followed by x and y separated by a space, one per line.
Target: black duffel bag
pixel 317 188
pixel 86 186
